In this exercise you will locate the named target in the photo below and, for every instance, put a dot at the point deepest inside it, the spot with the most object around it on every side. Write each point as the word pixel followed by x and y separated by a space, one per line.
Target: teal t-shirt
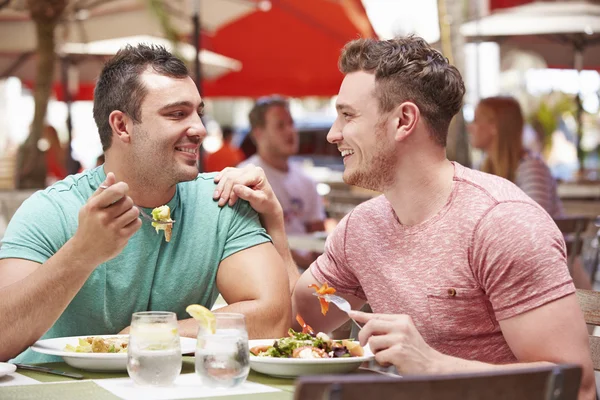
pixel 149 274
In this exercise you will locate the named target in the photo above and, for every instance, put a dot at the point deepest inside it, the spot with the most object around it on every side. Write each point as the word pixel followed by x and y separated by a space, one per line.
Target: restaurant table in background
pixel 308 242
pixel 111 386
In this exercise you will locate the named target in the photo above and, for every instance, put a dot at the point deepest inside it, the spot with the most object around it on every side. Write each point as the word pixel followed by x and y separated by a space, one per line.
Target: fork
pixel 144 215
pixel 340 303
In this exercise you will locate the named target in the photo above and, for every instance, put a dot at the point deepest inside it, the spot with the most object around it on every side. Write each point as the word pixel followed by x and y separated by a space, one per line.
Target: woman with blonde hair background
pixel 497 129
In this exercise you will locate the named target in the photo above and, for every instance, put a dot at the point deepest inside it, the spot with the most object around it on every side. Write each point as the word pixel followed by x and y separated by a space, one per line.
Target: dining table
pixel 28 385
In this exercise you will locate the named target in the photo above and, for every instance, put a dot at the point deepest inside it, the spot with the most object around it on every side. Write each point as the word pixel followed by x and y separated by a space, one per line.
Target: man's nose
pixel 197 129
pixel 335 133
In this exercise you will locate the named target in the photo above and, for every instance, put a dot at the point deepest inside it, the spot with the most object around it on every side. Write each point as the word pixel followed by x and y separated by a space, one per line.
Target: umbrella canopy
pixel 291 49
pixel 566 34
pixel 86 60
pixel 119 18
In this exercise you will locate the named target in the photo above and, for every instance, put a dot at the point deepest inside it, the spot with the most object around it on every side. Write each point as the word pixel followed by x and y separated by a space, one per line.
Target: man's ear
pixel 405 116
pixel 256 134
pixel 120 124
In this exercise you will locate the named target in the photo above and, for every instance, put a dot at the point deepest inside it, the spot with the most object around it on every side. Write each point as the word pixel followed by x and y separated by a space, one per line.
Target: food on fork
pixel 322 293
pixel 163 214
pixel 206 319
pixel 95 344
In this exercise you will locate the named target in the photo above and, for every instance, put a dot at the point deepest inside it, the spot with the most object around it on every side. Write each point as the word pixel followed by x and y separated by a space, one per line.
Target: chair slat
pixel 589 301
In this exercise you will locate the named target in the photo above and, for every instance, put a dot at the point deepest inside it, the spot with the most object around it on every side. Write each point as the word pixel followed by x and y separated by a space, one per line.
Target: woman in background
pixel 497 130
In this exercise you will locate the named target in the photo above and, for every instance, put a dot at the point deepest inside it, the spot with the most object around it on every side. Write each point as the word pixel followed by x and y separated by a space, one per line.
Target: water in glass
pixel 154 351
pixel 222 358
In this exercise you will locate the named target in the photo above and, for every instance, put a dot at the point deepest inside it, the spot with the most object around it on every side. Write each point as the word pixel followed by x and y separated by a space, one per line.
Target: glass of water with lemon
pixel 222 355
pixel 154 351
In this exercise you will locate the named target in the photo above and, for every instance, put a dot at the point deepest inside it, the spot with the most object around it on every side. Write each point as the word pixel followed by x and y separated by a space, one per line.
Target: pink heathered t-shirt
pixel 491 253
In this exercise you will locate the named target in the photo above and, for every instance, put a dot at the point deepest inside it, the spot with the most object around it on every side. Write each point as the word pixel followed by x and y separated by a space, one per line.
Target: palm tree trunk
pixel 451 15
pixel 31 165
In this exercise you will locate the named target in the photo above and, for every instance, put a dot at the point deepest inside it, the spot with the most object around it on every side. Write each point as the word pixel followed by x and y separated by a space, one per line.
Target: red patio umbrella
pixel 291 49
pixel 496 4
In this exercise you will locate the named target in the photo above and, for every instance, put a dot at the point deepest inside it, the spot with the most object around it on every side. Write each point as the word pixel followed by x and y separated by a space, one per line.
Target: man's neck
pixel 421 189
pixel 143 192
pixel 279 163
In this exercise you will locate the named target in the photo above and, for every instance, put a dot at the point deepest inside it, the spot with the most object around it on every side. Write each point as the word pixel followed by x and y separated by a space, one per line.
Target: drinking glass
pixel 222 358
pixel 154 351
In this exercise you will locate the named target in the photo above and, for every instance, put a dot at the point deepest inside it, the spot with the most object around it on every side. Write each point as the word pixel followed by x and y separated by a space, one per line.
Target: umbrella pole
pixel 197 68
pixel 71 164
pixel 578 64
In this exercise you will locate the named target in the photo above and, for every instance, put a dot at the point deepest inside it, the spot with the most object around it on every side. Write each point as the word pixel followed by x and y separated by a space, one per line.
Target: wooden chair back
pixel 559 382
pixel 573 229
pixel 589 302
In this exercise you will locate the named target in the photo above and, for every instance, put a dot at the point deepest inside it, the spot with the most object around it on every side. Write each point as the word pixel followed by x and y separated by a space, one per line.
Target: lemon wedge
pixel 204 316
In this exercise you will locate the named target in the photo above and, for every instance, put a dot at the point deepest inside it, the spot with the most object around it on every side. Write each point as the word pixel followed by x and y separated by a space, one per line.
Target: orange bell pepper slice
pixel 305 327
pixel 322 292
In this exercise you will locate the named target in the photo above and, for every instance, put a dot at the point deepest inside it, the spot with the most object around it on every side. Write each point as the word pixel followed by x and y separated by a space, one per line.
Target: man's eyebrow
pixel 342 107
pixel 179 104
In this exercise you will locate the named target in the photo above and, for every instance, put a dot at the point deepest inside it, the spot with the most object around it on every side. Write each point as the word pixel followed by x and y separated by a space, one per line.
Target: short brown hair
pixel 119 86
pixel 409 69
pixel 262 105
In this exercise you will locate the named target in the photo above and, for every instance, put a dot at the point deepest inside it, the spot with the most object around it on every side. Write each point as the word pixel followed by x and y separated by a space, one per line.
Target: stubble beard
pixel 375 172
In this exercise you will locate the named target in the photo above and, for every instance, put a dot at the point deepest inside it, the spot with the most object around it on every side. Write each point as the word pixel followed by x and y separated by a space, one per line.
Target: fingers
pixel 131 228
pixel 224 189
pixel 251 196
pixel 366 317
pixel 121 206
pixel 382 324
pixel 249 176
pixel 127 217
pixel 110 195
pixel 109 181
pixel 383 342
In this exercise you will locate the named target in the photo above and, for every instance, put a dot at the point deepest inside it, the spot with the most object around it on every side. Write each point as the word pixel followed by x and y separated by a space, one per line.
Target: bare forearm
pixel 274 226
pixel 260 323
pixel 29 307
pixel 449 364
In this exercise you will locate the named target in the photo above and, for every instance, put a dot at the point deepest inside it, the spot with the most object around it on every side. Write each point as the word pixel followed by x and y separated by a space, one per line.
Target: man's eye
pixel 346 115
pixel 177 114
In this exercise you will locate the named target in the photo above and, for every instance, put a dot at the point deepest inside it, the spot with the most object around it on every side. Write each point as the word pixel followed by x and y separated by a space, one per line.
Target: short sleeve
pixel 519 258
pixel 36 231
pixel 244 229
pixel 333 267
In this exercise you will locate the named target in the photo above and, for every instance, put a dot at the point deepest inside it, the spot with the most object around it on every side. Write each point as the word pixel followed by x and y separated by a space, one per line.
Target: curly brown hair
pixel 409 69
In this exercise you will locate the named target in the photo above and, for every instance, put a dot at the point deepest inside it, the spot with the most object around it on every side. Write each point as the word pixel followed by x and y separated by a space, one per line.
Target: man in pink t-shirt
pixel 463 271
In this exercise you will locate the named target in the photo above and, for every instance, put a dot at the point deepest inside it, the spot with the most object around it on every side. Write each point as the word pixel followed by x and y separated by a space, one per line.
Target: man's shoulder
pixel 72 190
pixel 488 187
pixel 372 210
pixel 202 187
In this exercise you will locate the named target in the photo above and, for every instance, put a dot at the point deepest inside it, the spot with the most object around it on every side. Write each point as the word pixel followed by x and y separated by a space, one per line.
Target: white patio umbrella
pixel 565 33
pixel 120 18
pixel 87 59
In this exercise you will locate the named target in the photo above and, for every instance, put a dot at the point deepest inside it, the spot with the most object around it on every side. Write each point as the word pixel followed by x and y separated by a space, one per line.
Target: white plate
pixel 293 367
pixel 94 361
pixel 6 368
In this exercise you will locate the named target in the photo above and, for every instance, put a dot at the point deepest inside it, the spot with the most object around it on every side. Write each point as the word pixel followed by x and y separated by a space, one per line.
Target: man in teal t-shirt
pixel 77 260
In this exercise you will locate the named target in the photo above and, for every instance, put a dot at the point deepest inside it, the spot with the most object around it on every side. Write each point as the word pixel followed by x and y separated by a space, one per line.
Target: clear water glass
pixel 223 358
pixel 154 351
